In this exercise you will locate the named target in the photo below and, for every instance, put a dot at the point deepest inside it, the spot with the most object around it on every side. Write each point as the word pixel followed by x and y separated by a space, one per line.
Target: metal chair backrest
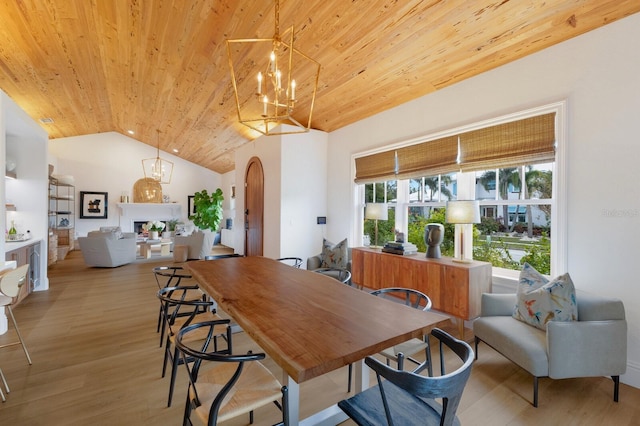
pixel 176 303
pixel 225 382
pixel 296 262
pixel 221 256
pixel 342 275
pixel 172 275
pixel 449 387
pixel 11 283
pixel 410 297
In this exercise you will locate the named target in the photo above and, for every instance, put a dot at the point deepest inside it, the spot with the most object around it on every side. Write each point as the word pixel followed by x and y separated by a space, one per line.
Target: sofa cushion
pixel 540 300
pixel 518 341
pixel 334 255
pixel 104 235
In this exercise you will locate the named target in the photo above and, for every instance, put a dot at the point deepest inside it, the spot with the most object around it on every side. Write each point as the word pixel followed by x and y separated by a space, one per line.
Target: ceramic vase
pixel 433 237
pixel 153 235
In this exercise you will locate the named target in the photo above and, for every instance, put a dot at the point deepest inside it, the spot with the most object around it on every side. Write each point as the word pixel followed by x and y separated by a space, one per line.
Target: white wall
pixel 294 192
pixel 598 73
pixel 304 194
pixel 23 140
pixel 111 162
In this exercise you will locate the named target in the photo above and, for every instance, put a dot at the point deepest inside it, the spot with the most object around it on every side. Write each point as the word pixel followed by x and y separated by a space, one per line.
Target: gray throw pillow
pixel 334 255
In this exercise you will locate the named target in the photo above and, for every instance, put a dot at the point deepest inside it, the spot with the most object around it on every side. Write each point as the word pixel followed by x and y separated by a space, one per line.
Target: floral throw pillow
pixel 334 255
pixel 540 300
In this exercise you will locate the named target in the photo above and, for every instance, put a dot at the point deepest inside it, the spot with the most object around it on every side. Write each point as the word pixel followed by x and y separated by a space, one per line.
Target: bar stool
pixel 10 286
pixel 6 386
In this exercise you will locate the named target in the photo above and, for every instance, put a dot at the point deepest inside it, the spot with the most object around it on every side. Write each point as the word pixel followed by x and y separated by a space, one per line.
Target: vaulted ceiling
pixel 160 67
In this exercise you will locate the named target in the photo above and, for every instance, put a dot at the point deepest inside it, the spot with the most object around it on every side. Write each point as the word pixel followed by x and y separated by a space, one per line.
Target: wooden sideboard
pixel 454 288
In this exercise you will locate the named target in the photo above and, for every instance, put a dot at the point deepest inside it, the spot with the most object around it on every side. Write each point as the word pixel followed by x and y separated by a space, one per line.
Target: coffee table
pixel 145 247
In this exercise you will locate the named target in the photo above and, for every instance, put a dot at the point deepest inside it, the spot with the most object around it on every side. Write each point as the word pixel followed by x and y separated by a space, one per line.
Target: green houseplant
pixel 208 209
pixel 171 224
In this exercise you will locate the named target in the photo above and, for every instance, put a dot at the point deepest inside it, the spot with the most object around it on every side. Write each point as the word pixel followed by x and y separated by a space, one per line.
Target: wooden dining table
pixel 308 323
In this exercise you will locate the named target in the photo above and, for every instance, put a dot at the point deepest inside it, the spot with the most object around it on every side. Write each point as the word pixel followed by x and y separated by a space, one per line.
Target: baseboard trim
pixel 632 376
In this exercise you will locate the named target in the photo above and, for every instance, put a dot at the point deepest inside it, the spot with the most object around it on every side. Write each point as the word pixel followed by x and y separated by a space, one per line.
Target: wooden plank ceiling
pixel 118 65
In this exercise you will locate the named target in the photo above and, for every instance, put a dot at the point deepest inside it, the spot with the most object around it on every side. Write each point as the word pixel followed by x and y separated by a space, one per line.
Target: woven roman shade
pixel 422 159
pixel 376 167
pixel 527 141
pixel 428 158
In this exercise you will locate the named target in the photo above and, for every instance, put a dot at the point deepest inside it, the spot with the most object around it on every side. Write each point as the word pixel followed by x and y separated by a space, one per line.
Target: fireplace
pixel 137 225
pixel 133 215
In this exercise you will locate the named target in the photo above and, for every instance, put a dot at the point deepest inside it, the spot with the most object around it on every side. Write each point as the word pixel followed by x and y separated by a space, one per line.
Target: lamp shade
pixel 377 211
pixel 463 211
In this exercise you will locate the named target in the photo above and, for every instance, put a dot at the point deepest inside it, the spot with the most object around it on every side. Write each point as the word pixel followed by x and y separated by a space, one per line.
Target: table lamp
pixel 376 211
pixel 463 212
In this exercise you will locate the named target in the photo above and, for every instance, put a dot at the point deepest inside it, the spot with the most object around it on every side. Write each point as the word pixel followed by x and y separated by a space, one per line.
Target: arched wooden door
pixel 254 208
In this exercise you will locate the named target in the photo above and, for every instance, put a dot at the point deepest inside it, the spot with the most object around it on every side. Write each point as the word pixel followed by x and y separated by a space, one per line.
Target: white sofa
pixel 595 345
pixel 199 242
pixel 108 249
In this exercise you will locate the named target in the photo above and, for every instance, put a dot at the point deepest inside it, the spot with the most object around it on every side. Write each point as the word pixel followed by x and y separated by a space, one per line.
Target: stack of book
pixel 404 249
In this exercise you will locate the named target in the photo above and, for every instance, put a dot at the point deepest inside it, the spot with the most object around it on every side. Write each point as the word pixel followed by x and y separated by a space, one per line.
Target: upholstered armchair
pixel 315 262
pixel 108 249
pixel 594 345
pixel 332 256
pixel 199 243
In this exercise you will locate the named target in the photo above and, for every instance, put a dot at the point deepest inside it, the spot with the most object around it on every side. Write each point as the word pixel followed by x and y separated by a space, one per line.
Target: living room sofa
pixel 109 248
pixel 199 243
pixel 594 345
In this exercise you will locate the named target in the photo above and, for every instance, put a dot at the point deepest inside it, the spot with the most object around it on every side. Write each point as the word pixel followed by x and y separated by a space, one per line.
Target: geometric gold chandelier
pixel 157 168
pixel 274 83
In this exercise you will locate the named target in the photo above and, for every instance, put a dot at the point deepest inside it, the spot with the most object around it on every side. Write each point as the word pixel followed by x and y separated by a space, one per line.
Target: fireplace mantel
pixel 136 212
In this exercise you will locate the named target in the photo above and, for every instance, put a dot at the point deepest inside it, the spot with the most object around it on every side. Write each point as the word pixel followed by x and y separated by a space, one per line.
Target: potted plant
pixel 208 210
pixel 153 227
pixel 171 228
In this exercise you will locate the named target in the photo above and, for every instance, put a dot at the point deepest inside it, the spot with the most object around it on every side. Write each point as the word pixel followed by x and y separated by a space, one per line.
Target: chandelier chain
pixel 276 36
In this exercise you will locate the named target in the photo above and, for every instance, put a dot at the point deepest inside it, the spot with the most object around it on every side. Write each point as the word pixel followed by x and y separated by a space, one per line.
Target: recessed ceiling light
pixel 175 150
pixel 46 120
pixel 131 132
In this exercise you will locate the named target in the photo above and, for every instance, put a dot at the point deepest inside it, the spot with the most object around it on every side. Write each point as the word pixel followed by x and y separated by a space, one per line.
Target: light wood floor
pixel 96 361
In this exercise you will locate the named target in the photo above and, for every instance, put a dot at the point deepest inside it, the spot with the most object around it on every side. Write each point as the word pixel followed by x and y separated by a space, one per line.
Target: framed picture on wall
pixel 93 205
pixel 190 205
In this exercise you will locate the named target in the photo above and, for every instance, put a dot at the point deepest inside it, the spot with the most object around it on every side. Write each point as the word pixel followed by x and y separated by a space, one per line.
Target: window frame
pixel 467 191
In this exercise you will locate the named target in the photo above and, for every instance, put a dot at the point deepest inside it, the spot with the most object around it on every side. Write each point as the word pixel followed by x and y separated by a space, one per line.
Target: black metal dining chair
pixel 296 262
pixel 414 299
pixel 172 276
pixel 405 398
pixel 221 256
pixel 235 383
pixel 342 275
pixel 178 311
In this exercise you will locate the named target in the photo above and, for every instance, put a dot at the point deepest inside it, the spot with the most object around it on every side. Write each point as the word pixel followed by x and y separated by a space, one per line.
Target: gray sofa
pixel 595 345
pixel 108 249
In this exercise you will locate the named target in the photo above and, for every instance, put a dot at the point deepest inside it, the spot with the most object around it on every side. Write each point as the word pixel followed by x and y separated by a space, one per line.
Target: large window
pixel 518 203
pixel 381 192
